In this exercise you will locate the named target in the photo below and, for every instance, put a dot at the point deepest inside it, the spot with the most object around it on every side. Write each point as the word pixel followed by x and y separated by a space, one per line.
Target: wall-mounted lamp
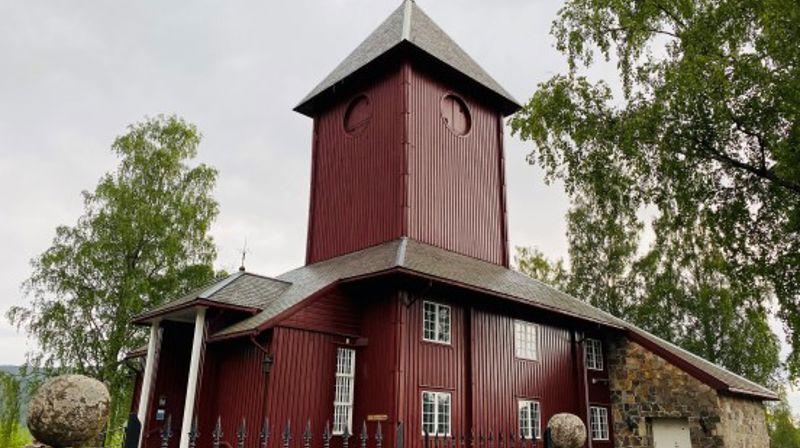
pixel 267 365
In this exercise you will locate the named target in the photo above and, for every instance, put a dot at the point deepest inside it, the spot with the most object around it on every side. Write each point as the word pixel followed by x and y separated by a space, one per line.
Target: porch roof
pixel 241 291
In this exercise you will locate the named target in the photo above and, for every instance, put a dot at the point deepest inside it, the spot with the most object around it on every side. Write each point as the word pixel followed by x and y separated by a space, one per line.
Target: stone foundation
pixel 644 386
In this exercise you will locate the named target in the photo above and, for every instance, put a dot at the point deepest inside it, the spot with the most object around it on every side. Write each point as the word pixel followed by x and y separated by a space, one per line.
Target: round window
pixel 357 115
pixel 456 114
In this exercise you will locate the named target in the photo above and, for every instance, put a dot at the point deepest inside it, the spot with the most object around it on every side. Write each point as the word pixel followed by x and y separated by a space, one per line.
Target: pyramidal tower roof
pixel 408 24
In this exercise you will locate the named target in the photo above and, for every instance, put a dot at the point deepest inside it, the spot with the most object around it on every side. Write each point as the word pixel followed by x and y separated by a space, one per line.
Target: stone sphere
pixel 567 431
pixel 68 411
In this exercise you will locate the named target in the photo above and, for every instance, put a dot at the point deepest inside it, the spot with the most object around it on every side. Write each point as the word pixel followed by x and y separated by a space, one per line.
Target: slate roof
pixel 408 24
pixel 241 290
pixel 275 298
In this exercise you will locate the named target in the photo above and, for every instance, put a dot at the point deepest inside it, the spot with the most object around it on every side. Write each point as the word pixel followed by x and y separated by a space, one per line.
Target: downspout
pixel 585 377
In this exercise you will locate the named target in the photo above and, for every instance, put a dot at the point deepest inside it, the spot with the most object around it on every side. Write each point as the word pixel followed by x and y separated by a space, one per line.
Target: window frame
pixel 537 429
pixel 437 324
pixel 598 363
pixel 349 404
pixel 602 430
pixel 436 412
pixel 518 323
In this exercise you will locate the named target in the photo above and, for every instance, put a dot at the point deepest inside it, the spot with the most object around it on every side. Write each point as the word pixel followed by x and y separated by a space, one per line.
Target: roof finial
pixel 244 255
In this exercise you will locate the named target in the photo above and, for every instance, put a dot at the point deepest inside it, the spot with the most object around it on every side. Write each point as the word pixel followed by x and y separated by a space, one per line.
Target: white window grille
pixel 526 340
pixel 594 354
pixel 599 423
pixel 436 322
pixel 436 408
pixel 529 419
pixel 344 391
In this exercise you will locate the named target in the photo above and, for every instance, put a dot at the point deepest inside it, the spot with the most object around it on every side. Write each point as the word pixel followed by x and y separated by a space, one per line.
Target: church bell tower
pixel 408 142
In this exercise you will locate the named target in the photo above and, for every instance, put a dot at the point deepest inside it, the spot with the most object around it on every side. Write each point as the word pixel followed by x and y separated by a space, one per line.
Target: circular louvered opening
pixel 455 114
pixel 358 115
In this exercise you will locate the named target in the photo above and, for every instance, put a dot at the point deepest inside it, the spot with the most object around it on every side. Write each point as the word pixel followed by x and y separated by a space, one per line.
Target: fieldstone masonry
pixel 644 386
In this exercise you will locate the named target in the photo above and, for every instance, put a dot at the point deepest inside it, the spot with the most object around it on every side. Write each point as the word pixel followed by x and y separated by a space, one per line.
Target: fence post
pixel 346 436
pixel 216 435
pixel 379 437
pixel 326 435
pixel 307 435
pixel 194 433
pixel 241 434
pixel 399 435
pixel 287 434
pixel 132 431
pixel 364 435
pixel 265 433
pixel 166 432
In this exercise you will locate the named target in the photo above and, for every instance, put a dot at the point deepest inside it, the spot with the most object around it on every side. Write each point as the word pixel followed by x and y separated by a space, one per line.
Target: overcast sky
pixel 74 74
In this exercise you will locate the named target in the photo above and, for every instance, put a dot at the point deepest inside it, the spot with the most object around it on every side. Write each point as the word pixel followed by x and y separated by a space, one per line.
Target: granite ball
pixel 68 411
pixel 567 431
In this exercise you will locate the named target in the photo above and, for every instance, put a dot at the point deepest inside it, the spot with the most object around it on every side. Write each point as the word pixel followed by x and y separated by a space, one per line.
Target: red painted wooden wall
pixel 456 183
pixel 406 173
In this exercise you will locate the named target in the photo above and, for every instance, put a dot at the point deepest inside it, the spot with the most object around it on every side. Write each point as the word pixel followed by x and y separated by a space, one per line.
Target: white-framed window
pixel 594 354
pixel 436 409
pixel 599 422
pixel 344 391
pixel 530 419
pixel 435 322
pixel 526 340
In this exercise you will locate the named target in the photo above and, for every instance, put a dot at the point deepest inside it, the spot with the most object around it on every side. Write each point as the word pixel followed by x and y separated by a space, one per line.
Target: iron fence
pixel 370 436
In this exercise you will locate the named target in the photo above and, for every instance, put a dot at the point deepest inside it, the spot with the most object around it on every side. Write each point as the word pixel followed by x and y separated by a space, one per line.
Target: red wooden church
pixel 406 310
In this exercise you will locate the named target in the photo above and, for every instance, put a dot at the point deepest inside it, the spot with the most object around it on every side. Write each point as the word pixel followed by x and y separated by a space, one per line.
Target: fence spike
pixel 241 434
pixel 166 432
pixel 264 438
pixel 307 435
pixel 491 439
pixel 346 436
pixel 511 440
pixel 287 434
pixel 364 434
pixel 500 440
pixel 216 435
pixel 326 435
pixel 379 436
pixel 399 436
pixel 194 433
pixel 426 437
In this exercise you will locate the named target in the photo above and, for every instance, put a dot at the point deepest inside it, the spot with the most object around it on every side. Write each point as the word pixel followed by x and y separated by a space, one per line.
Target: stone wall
pixel 645 386
pixel 743 423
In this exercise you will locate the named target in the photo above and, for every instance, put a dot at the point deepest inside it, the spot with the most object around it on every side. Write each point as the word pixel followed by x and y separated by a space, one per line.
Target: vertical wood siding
pixel 376 363
pixel 233 386
pixel 356 185
pixel 334 313
pixel 599 394
pixel 301 383
pixel 501 379
pixel 456 182
pixel 434 367
pixel 407 174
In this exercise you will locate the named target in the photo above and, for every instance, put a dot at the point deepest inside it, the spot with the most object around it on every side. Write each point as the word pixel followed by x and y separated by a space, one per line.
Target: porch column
pixel 191 383
pixel 147 379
